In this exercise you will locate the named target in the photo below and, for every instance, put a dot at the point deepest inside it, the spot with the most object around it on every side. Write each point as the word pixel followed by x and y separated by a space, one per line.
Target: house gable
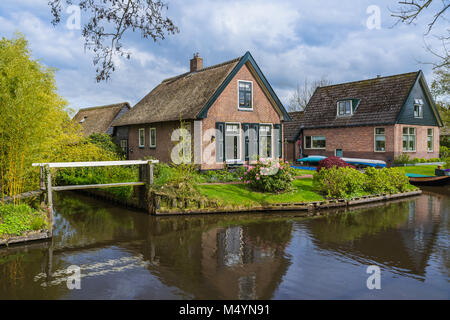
pixel 430 114
pixel 251 64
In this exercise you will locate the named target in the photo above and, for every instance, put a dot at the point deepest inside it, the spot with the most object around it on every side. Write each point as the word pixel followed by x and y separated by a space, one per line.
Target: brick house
pixel 230 110
pixel 377 119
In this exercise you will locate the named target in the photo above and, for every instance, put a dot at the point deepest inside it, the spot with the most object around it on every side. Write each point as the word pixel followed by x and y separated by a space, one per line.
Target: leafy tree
pixel 440 88
pixel 109 20
pixel 104 141
pixel 34 126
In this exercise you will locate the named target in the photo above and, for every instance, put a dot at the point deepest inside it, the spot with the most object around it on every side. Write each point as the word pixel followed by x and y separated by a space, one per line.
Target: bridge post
pixel 49 198
pixel 146 176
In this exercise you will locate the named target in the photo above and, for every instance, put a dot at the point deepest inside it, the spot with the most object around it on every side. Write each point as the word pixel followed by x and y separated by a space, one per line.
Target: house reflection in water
pixel 401 236
pixel 242 266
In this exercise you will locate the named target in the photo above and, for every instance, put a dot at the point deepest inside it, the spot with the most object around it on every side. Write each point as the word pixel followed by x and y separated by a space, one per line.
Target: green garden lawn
pixel 240 194
pixel 425 170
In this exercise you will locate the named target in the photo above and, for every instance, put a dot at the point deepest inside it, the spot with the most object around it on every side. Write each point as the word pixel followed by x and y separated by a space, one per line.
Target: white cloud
pixel 290 40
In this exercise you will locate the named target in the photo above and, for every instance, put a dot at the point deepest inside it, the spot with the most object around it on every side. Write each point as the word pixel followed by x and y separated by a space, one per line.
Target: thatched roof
pixel 292 127
pixel 99 119
pixel 190 95
pixel 180 97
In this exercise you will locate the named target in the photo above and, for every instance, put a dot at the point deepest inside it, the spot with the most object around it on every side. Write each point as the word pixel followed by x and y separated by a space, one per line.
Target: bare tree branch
pixel 109 20
pixel 408 12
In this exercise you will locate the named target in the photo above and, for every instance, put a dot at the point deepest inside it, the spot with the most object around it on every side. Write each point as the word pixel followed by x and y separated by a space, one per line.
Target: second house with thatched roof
pixel 99 119
pixel 230 112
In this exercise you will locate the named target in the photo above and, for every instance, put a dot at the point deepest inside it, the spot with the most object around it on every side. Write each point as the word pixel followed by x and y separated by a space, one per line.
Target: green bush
pixel 444 152
pixel 340 182
pixel 105 142
pixel 268 176
pixel 15 220
pixel 386 180
pixel 348 182
pixel 402 159
pixel 101 175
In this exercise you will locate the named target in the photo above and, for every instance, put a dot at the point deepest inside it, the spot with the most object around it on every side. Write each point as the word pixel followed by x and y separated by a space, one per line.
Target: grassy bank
pixel 241 194
pixel 425 170
pixel 16 220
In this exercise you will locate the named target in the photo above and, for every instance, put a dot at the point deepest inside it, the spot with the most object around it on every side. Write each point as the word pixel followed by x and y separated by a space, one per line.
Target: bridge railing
pixel 145 177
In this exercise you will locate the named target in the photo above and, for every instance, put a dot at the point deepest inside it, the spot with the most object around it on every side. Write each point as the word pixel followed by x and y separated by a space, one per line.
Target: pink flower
pixel 257 178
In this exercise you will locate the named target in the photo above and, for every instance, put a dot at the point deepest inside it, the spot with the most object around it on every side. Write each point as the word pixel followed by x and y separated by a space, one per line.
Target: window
pixel 124 145
pixel 315 142
pixel 430 135
pixel 232 141
pixel 245 95
pixel 338 153
pixel 380 140
pixel 418 108
pixel 152 137
pixel 141 137
pixel 265 141
pixel 345 108
pixel 409 139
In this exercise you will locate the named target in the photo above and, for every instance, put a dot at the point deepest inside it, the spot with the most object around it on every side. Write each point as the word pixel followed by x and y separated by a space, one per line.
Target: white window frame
pixel 271 139
pixel 239 141
pixel 419 103
pixel 152 145
pixel 432 139
pixel 244 108
pixel 304 143
pixel 143 138
pixel 351 108
pixel 415 139
pixel 375 139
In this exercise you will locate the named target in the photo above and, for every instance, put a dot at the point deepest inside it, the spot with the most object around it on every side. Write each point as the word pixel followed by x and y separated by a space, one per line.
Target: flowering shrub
pixel 331 162
pixel 269 176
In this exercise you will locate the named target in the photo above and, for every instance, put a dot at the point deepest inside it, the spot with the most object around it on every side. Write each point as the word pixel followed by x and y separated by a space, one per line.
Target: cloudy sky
pixel 291 40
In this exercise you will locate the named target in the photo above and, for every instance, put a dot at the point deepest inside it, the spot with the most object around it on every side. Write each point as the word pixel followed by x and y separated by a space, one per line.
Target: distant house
pixel 230 109
pixel 99 120
pixel 379 119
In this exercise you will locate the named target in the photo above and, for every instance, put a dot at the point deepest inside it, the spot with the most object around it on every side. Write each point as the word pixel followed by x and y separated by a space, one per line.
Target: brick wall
pixel 164 145
pixel 358 142
pixel 225 109
pixel 421 142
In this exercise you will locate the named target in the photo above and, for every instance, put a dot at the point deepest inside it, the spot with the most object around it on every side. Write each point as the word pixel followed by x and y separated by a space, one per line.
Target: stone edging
pixel 32 236
pixel 302 206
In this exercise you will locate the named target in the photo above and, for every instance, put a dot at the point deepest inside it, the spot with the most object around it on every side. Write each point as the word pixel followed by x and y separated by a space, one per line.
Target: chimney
pixel 196 63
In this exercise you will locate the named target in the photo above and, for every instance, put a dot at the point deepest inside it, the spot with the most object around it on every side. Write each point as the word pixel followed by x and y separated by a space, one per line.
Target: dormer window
pixel 418 108
pixel 344 108
pixel 245 95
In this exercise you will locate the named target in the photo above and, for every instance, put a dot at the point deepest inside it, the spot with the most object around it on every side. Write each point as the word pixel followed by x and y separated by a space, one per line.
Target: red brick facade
pixel 224 109
pixel 359 142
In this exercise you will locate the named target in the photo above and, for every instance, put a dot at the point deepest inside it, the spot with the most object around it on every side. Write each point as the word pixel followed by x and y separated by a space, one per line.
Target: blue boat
pixel 353 161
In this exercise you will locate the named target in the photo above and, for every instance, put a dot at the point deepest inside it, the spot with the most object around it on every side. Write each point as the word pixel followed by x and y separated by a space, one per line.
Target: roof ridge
pixel 377 78
pixel 104 106
pixel 201 70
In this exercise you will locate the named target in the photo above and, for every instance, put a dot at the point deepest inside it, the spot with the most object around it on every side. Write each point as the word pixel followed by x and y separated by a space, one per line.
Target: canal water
pixel 123 254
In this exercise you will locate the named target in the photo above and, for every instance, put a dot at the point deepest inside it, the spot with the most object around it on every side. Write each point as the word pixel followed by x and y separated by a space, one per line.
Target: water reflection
pixel 126 254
